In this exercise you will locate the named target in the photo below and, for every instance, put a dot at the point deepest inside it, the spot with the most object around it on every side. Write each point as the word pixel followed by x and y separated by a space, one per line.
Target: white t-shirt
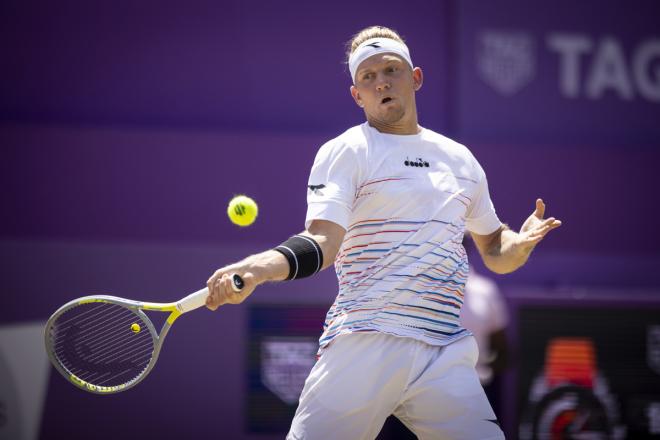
pixel 405 201
pixel 483 313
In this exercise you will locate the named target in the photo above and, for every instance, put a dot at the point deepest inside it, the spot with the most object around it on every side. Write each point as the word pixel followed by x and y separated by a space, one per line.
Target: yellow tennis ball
pixel 135 327
pixel 242 210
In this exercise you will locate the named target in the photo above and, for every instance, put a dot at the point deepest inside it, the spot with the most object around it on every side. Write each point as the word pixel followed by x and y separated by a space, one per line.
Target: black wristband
pixel 303 254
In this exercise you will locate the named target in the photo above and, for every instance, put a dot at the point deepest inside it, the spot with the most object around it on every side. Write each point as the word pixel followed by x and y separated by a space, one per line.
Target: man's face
pixel 385 87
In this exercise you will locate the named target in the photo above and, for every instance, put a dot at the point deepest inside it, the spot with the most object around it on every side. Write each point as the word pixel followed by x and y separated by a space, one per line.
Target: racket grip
pixel 198 299
pixel 193 301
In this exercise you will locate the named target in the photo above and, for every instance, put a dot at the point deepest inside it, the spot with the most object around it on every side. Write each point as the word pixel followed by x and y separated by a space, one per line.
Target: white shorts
pixel 362 378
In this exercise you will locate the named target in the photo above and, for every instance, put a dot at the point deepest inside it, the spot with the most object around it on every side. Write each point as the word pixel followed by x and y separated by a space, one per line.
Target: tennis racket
pixel 105 344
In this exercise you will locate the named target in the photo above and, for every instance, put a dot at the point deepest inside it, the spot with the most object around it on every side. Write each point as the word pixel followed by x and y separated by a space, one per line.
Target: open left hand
pixel 536 227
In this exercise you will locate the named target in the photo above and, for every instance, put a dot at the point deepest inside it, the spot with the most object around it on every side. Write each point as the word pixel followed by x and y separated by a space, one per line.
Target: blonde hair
pixel 368 33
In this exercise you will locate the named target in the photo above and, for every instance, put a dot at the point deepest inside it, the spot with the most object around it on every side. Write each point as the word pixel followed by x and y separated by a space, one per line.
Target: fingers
pixel 536 234
pixel 213 298
pixel 219 290
pixel 540 209
pixel 536 228
pixel 222 289
pixel 545 227
pixel 550 222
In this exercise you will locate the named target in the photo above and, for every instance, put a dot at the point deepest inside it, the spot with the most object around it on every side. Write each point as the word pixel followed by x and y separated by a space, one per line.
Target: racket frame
pixel 176 309
pixel 191 302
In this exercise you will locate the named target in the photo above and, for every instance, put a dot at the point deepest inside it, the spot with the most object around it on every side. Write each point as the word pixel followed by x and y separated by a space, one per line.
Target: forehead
pixel 380 59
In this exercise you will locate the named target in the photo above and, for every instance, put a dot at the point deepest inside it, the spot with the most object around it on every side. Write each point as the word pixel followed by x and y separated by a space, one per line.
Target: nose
pixel 382 83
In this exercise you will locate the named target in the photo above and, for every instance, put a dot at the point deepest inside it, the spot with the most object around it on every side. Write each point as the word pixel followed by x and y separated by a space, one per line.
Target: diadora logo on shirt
pixel 418 162
pixel 316 189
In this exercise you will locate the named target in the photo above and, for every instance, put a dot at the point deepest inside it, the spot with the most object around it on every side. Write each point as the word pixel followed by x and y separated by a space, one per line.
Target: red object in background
pixel 571 360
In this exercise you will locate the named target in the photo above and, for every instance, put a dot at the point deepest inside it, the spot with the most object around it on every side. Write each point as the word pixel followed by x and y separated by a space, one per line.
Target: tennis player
pixel 388 203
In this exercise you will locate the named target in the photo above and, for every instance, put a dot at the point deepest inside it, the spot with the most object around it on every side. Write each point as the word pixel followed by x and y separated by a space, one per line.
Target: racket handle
pixel 198 299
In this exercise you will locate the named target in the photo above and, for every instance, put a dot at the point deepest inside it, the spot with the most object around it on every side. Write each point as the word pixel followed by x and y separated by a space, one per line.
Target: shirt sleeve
pixel 481 217
pixel 332 183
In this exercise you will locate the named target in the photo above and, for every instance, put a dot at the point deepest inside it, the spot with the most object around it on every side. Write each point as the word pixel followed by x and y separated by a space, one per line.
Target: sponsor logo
pixel 285 364
pixel 418 162
pixel 316 189
pixel 587 67
pixel 97 388
pixel 239 209
pixel 506 61
pixel 596 68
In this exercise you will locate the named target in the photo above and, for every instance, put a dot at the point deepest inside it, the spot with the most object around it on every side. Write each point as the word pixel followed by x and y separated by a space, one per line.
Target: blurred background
pixel 126 127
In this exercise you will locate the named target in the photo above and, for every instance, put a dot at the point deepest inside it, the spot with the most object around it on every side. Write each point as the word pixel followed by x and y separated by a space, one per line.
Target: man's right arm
pixel 270 265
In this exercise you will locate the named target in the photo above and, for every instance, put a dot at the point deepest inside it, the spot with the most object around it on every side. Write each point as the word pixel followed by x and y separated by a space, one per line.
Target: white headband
pixel 375 46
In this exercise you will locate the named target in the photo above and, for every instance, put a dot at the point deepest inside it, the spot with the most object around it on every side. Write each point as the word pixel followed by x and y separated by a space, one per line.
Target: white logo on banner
pixel 653 347
pixel 285 364
pixel 587 67
pixel 506 61
pixel 596 67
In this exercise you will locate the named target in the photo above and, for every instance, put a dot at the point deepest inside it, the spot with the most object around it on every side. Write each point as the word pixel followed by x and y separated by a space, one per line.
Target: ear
pixel 356 96
pixel 418 78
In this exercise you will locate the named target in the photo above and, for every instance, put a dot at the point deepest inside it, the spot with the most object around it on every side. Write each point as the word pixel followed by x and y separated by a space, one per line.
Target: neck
pixel 394 129
pixel 405 126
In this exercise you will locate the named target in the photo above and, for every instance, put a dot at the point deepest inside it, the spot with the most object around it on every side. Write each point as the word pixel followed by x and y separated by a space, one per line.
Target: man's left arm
pixel 505 250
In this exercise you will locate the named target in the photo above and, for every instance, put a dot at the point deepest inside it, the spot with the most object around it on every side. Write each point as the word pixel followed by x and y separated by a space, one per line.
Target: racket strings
pixel 106 360
pixel 104 332
pixel 96 342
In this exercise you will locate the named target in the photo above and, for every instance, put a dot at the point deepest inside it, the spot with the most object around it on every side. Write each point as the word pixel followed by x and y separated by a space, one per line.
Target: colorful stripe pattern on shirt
pixel 405 202
pixel 400 276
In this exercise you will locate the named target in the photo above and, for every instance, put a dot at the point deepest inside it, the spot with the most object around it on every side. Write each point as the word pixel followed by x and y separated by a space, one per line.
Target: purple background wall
pixel 125 128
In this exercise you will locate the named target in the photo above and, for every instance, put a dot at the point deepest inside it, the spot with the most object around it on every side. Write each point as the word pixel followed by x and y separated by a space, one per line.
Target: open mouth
pixel 385 100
